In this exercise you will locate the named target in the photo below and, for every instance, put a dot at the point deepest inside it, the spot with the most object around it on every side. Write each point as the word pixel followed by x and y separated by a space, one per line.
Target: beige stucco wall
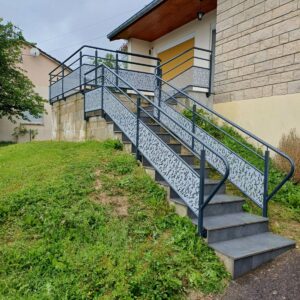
pixel 37 70
pixel 69 123
pixel 268 118
pixel 201 31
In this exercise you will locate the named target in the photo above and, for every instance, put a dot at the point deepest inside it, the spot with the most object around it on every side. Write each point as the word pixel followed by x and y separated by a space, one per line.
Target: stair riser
pixel 190 159
pixel 158 177
pixel 220 209
pixel 121 136
pixel 167 138
pixel 244 265
pixel 207 190
pixel 157 129
pixel 230 233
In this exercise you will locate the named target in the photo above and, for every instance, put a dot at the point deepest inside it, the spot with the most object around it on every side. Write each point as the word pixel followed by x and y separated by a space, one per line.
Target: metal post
pixel 96 68
pixel 193 125
pixel 80 71
pixel 210 75
pixel 102 91
pixel 84 113
pixel 201 231
pixel 117 68
pixel 62 81
pixel 266 183
pixel 138 115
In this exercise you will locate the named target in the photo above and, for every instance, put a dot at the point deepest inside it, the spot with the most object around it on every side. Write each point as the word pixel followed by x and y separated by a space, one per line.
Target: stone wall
pixel 69 123
pixel 257 49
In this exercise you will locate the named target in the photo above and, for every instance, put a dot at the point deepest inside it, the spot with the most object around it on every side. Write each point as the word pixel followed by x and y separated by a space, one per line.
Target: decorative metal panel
pixel 139 80
pixel 93 100
pixel 183 179
pixel 56 89
pixel 245 176
pixel 195 76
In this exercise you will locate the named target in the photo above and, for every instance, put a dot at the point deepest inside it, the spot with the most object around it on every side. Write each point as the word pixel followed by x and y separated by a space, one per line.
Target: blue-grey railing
pixel 261 182
pixel 67 78
pixel 197 68
pixel 172 167
pixel 83 65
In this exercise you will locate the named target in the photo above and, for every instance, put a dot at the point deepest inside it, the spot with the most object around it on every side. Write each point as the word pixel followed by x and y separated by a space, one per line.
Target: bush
pixel 290 144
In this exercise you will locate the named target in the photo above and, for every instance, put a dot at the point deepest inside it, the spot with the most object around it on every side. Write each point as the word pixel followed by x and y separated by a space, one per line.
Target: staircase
pixel 180 156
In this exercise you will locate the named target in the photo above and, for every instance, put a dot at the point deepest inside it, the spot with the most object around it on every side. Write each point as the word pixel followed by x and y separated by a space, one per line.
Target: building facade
pixel 255 47
pixel 37 68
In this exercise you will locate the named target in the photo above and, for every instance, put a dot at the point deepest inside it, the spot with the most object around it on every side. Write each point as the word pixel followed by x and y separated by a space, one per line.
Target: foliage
pixel 290 144
pixel 288 195
pixel 58 240
pixel 16 90
pixel 21 130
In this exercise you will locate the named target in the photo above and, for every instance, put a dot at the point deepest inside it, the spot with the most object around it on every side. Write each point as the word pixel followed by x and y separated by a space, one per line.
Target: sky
pixel 60 27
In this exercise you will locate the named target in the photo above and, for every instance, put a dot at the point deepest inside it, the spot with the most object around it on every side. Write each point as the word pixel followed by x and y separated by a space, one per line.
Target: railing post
pixel 210 75
pixel 159 86
pixel 193 125
pixel 138 115
pixel 80 70
pixel 266 183
pixel 117 68
pixel 96 68
pixel 84 108
pixel 201 230
pixel 62 81
pixel 102 91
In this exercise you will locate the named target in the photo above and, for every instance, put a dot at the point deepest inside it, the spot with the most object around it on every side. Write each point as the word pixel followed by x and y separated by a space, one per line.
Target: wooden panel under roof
pixel 162 19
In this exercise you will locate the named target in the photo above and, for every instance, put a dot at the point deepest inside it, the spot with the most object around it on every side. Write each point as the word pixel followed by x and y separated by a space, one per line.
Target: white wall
pixel 201 31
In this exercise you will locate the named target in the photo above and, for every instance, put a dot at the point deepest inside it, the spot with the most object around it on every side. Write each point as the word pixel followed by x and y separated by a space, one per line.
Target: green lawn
pixel 83 221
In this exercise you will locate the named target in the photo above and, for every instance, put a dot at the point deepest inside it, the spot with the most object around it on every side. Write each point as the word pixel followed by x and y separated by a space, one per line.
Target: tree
pixel 17 95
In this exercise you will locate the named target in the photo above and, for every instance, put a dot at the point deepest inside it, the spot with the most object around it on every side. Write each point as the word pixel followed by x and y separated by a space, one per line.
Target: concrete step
pixel 247 253
pixel 167 138
pixel 232 226
pixel 210 185
pixel 191 159
pixel 222 204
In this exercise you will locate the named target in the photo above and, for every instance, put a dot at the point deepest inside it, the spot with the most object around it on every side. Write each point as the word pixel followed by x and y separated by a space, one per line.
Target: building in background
pixel 37 65
pixel 255 47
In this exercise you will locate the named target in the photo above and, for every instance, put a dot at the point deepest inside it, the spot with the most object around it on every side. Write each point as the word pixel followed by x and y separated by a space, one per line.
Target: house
pixel 37 65
pixel 235 57
pixel 255 48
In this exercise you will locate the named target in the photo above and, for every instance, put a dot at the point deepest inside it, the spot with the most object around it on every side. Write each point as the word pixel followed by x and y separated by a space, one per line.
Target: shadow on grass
pixel 3 143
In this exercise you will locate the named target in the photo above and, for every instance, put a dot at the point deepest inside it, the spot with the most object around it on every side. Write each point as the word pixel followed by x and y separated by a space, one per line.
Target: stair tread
pixel 207 181
pixel 231 220
pixel 218 199
pixel 224 198
pixel 252 245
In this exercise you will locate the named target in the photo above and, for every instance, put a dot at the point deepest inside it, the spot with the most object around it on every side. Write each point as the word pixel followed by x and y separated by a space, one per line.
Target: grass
pixel 83 221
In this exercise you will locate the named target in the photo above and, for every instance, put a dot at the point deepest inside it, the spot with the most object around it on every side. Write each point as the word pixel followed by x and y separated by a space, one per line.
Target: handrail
pixel 202 203
pixel 184 52
pixel 104 49
pixel 268 146
pixel 212 124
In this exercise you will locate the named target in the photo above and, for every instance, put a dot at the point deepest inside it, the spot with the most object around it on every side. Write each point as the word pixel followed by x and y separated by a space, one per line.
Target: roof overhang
pixel 161 17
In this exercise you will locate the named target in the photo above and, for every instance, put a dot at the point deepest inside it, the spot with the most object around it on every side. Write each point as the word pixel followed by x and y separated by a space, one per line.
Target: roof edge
pixel 134 18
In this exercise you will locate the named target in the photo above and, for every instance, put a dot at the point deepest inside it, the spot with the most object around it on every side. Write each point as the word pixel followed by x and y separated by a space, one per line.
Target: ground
pixel 84 221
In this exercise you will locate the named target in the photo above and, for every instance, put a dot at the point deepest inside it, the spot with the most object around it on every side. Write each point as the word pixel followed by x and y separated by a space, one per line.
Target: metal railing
pixel 265 147
pixel 68 76
pixel 202 202
pixel 195 57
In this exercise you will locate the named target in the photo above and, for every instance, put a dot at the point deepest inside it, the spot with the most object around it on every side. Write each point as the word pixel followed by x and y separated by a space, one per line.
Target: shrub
pixel 290 144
